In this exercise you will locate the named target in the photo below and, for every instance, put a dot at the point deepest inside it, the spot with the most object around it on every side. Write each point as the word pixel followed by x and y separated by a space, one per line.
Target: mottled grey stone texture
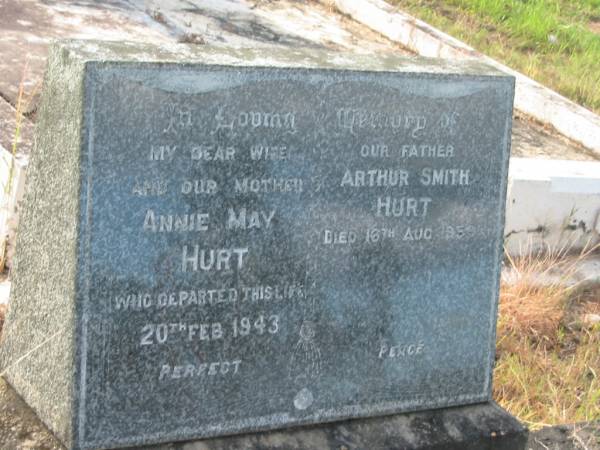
pixel 37 353
pixel 173 284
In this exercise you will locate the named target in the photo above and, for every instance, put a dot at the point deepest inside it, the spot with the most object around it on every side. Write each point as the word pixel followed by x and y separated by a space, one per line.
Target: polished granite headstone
pixel 218 241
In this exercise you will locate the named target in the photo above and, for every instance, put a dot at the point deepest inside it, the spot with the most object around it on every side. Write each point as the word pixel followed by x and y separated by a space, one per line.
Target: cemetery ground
pixel 555 42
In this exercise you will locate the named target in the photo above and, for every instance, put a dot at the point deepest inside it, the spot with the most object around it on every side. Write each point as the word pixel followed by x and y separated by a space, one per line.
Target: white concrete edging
pixel 531 98
pixel 13 170
pixel 552 204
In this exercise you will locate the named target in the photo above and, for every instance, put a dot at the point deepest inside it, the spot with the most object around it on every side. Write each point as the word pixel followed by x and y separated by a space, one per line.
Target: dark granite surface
pixel 261 247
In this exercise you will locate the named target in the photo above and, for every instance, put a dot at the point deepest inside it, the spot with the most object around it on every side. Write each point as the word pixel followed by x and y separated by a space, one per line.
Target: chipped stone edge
pixel 531 98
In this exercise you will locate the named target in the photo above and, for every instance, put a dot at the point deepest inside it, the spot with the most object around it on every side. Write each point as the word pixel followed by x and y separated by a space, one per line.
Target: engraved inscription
pixel 355 119
pixel 167 223
pixel 255 119
pixel 267 185
pixel 402 206
pixel 308 235
pixel 208 297
pixel 207 152
pixel 211 369
pixel 194 258
pixel 375 178
pixel 426 151
pixel 243 219
pixel 389 350
pixel 179 117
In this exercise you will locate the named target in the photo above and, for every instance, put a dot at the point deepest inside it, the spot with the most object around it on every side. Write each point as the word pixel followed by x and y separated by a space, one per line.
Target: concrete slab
pixel 27 26
pixel 552 204
pixel 259 22
pixel 531 139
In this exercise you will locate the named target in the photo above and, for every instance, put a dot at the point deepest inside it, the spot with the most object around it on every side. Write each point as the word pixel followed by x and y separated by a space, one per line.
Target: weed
pixel 548 362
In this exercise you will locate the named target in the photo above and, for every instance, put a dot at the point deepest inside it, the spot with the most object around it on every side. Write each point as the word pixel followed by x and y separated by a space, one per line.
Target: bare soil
pixel 20 428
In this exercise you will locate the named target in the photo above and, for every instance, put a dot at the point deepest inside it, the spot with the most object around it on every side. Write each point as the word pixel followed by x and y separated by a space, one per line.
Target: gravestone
pixel 218 241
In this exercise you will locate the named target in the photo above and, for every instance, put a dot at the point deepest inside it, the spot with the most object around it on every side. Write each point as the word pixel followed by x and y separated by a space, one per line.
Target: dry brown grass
pixel 533 301
pixel 548 360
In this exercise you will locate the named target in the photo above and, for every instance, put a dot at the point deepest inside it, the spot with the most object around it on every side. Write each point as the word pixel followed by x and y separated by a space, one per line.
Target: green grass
pixel 552 41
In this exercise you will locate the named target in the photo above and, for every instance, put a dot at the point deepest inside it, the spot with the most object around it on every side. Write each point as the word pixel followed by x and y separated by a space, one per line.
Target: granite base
pixel 475 427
